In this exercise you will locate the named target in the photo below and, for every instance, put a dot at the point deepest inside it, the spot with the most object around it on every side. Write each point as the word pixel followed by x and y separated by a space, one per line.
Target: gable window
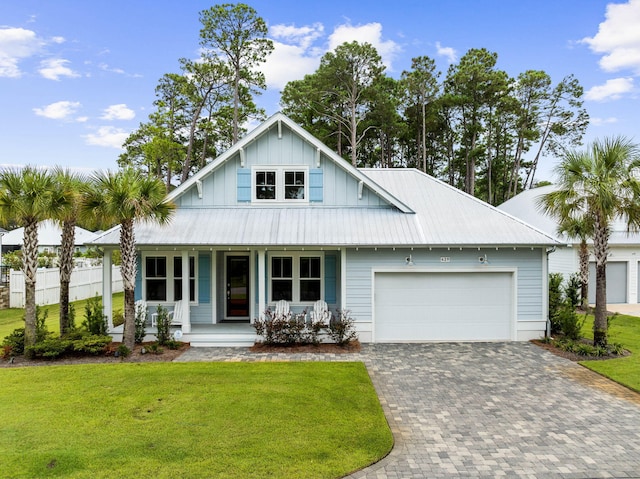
pixel 296 278
pixel 280 184
pixel 162 278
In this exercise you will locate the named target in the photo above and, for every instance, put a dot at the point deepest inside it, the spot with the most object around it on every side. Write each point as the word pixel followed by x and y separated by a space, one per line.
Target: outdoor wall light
pixel 408 261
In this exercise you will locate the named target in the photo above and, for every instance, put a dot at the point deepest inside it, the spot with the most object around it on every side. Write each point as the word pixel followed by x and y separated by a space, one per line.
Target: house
pixel 49 238
pixel 623 284
pixel 281 216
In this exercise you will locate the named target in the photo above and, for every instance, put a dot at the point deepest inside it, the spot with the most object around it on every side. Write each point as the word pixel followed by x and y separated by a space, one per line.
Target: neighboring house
pixel 624 249
pixel 281 216
pixel 49 238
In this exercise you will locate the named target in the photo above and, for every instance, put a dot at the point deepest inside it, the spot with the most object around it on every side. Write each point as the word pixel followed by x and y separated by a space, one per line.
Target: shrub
pixel 140 322
pixel 164 324
pixel 341 327
pixel 155 348
pixel 555 300
pixel 74 344
pixel 286 329
pixel 568 320
pixel 91 344
pixel 13 344
pixel 50 348
pixel 95 321
pixel 122 351
pixel 572 290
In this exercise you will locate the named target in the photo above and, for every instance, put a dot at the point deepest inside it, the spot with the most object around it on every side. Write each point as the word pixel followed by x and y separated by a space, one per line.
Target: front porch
pixel 204 335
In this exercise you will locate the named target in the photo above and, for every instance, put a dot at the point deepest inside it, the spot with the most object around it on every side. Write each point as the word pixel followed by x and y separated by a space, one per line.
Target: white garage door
pixel 616 282
pixel 443 306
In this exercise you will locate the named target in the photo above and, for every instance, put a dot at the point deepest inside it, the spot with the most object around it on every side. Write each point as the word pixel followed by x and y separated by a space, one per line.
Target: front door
pixel 237 288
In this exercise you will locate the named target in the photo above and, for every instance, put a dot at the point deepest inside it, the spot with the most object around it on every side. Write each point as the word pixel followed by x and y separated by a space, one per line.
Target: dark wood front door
pixel 237 287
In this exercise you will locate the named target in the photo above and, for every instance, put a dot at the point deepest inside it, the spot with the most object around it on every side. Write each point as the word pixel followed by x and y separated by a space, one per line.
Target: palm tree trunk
pixel 584 274
pixel 128 269
pixel 30 268
pixel 600 250
pixel 66 267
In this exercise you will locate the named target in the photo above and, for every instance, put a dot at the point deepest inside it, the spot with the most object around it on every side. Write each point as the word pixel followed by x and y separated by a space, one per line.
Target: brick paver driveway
pixel 490 410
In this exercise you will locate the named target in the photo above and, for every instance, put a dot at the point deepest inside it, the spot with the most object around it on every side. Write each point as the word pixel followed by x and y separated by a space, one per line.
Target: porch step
pixel 220 339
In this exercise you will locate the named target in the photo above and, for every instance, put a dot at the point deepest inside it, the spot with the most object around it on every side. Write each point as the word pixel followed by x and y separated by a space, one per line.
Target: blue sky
pixel 77 76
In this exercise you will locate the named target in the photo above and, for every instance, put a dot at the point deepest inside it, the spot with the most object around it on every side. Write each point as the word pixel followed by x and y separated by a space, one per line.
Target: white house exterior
pixel 281 216
pixel 49 238
pixel 624 249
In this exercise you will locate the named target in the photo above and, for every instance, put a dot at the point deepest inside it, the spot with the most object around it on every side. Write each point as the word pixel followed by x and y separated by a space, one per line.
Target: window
pixel 282 278
pixel 156 278
pixel 177 278
pixel 296 278
pixel 162 278
pixel 266 185
pixel 282 184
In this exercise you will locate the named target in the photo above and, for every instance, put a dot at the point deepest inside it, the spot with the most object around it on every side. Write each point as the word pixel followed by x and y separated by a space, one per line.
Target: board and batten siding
pixel 230 183
pixel 527 262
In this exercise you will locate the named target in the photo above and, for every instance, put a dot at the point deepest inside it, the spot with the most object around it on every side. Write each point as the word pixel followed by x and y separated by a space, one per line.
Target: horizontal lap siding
pixel 527 262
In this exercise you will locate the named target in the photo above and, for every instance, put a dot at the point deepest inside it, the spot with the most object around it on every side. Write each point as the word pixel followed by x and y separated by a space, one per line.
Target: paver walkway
pixel 488 410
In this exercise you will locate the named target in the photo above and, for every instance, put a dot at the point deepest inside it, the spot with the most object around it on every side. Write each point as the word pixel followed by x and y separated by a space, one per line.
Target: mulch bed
pixel 352 347
pixel 136 356
pixel 573 356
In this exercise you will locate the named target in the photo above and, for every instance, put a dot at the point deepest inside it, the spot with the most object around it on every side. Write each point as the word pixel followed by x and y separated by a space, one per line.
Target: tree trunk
pixel 30 268
pixel 600 250
pixel 66 267
pixel 584 274
pixel 128 270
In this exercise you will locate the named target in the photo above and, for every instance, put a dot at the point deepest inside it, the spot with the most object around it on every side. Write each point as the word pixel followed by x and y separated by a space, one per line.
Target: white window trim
pixel 280 171
pixel 169 255
pixel 295 255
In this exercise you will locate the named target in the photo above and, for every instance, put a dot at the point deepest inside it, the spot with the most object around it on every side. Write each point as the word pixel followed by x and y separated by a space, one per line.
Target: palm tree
pixel 26 198
pixel 580 228
pixel 68 191
pixel 601 185
pixel 123 198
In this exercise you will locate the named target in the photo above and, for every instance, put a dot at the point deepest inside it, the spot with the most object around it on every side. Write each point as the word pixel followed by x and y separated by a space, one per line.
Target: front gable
pixel 281 165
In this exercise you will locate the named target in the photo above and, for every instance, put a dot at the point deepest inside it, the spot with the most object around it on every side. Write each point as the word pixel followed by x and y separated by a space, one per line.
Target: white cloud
pixel 15 45
pixel 54 68
pixel 602 121
pixel 611 90
pixel 368 33
pixel 298 50
pixel 118 112
pixel 618 37
pixel 61 110
pixel 107 136
pixel 449 53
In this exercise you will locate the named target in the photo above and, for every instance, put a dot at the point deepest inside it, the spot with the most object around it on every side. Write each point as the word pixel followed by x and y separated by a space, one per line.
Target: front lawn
pixel 625 330
pixel 190 420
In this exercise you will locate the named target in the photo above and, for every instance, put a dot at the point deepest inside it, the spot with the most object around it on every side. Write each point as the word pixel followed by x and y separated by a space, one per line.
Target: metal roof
pixel 444 216
pixel 49 234
pixel 525 206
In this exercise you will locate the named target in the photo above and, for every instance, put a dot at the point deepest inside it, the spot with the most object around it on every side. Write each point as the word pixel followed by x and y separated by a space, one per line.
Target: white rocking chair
pixel 320 312
pixel 283 308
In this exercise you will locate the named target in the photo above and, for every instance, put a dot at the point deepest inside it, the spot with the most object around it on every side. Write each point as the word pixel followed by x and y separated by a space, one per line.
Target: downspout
pixel 547 332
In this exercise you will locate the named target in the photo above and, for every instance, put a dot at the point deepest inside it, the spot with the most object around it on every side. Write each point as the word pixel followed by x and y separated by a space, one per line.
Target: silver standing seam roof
pixel 441 216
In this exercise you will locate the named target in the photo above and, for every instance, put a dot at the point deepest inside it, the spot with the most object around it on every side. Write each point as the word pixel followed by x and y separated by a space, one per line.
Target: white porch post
pixel 107 294
pixel 186 319
pixel 214 287
pixel 262 289
pixel 343 279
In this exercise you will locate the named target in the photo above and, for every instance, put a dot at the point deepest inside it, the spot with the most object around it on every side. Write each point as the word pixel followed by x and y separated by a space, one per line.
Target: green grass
pixel 625 330
pixel 190 420
pixel 12 318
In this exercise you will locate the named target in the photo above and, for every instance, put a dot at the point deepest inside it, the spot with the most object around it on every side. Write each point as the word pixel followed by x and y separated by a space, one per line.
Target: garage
pixel 616 282
pixel 443 306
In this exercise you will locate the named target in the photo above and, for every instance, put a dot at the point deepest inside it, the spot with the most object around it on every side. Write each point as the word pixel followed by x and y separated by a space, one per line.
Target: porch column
pixel 186 319
pixel 107 294
pixel 343 278
pixel 262 289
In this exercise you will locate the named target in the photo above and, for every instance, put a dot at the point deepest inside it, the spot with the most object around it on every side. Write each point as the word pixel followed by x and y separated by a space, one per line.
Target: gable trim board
pixel 364 223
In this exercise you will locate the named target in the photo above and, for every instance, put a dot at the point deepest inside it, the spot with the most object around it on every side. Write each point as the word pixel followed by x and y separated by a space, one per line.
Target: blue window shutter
pixel 315 185
pixel 330 279
pixel 244 184
pixel 204 278
pixel 137 292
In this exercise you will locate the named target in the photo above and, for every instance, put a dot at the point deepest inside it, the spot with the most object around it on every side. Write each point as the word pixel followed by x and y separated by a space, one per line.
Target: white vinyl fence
pixel 85 283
